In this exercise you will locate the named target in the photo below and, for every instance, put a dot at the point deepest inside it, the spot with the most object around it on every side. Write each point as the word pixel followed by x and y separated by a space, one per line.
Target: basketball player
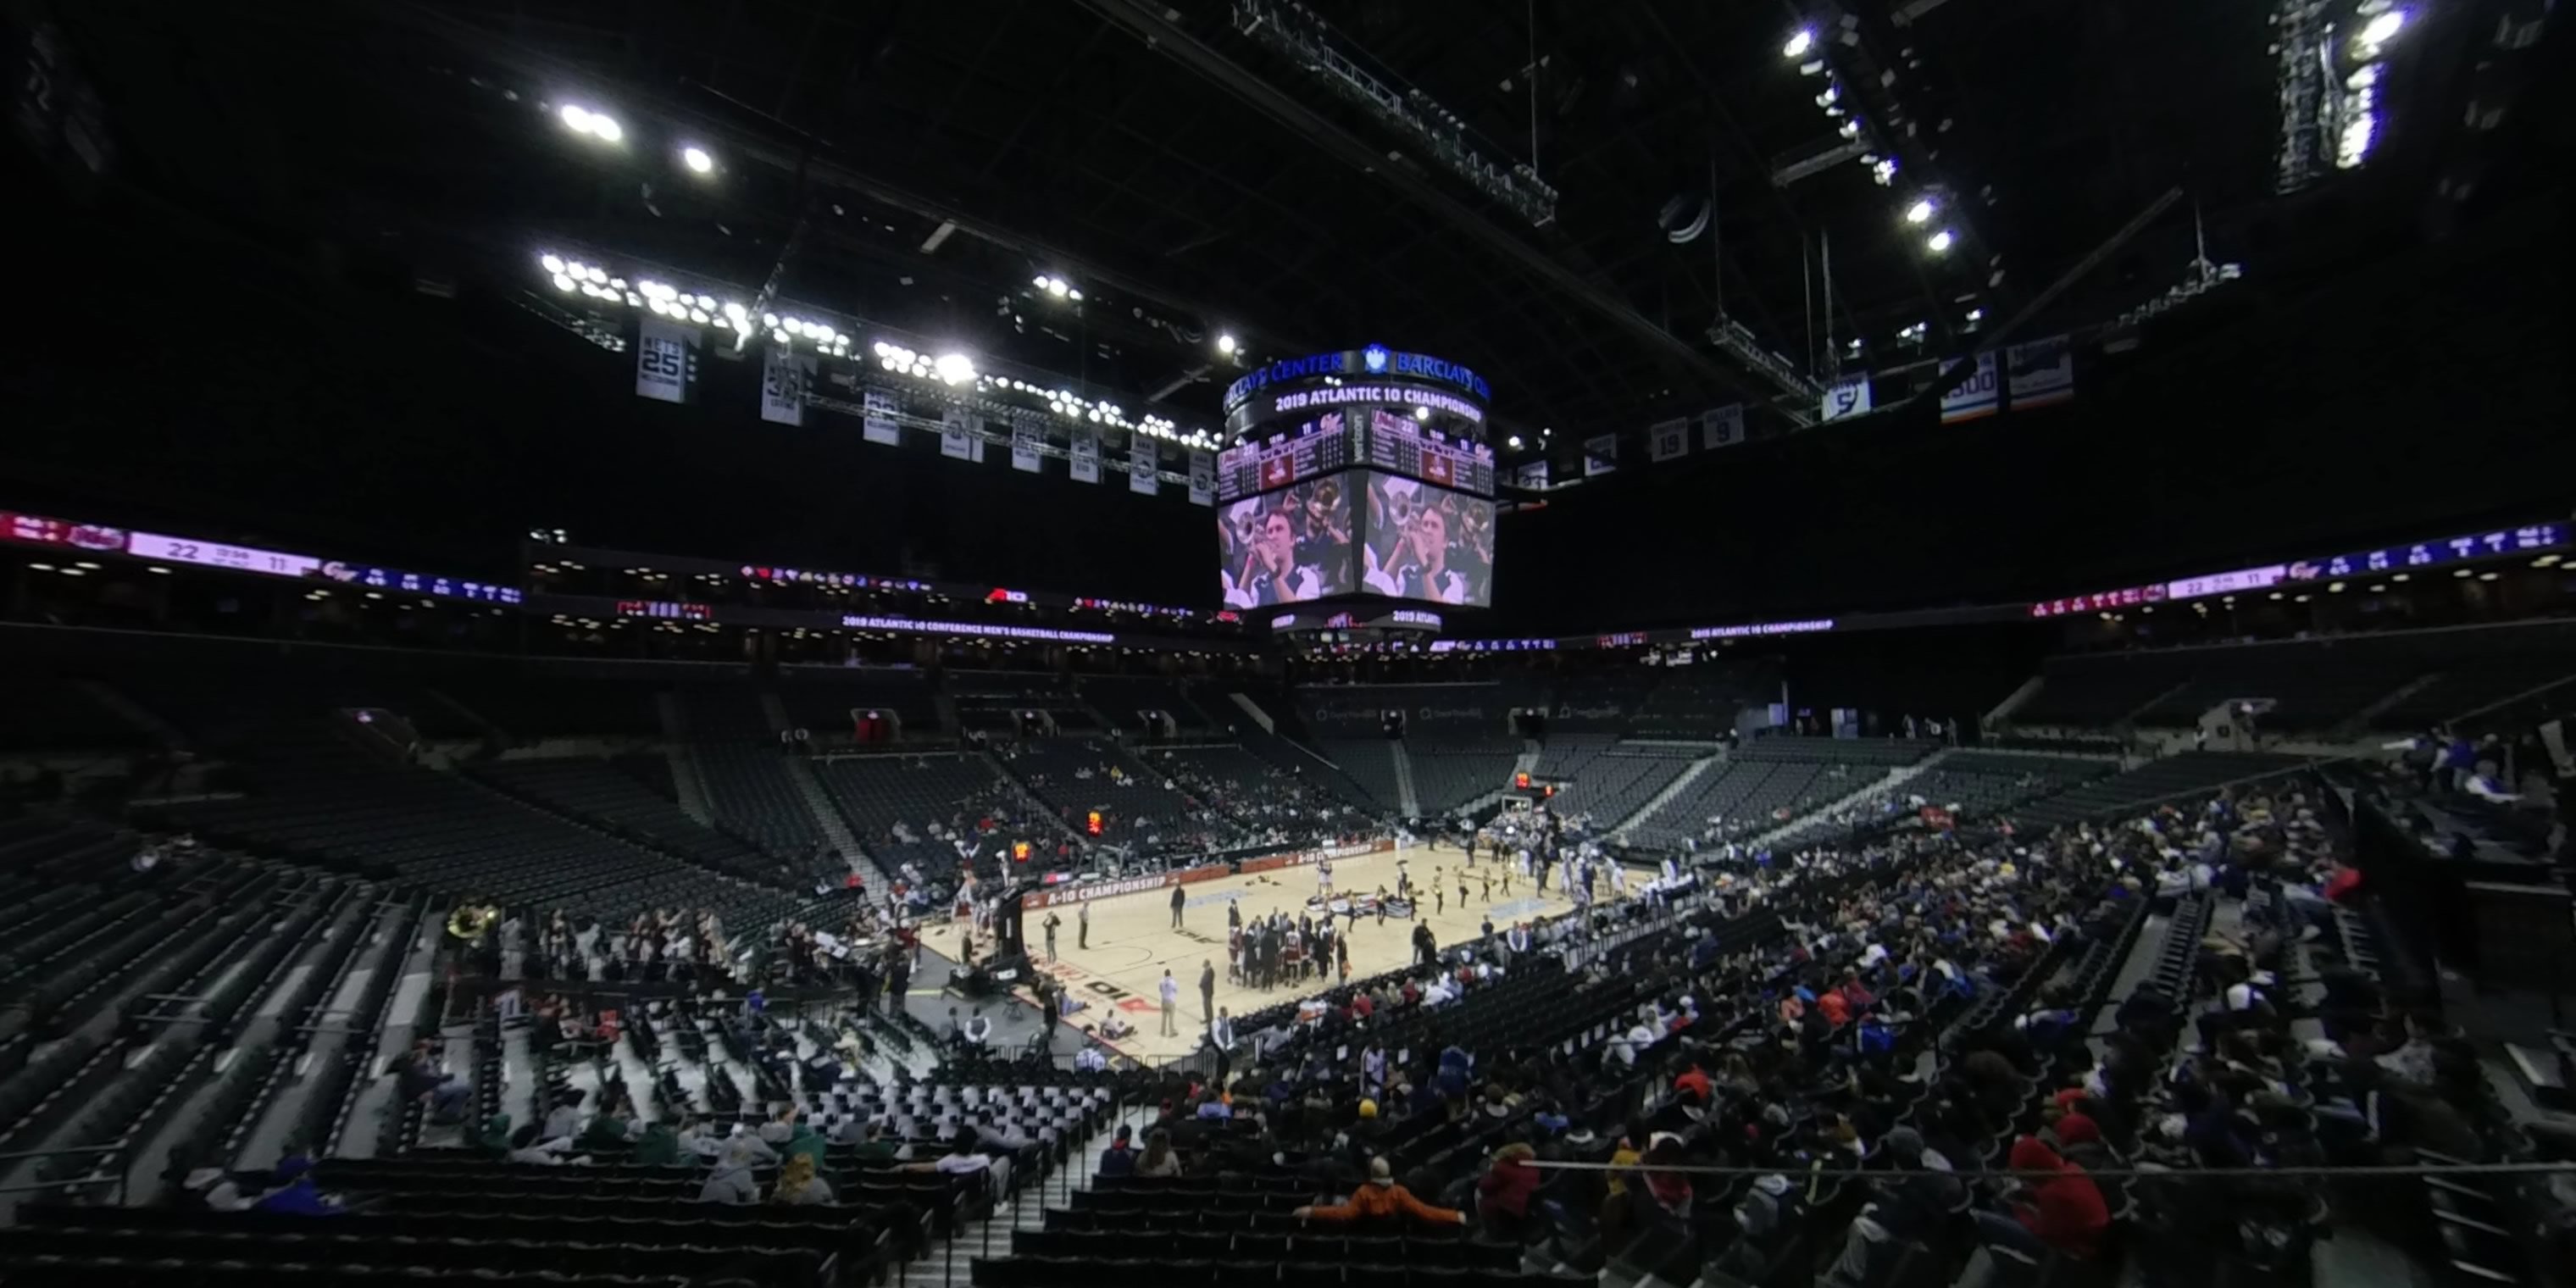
pixel 1324 877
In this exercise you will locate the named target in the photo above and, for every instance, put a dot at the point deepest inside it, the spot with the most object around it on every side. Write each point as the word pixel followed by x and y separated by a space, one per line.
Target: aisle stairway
pixel 1406 796
pixel 1681 783
pixel 686 786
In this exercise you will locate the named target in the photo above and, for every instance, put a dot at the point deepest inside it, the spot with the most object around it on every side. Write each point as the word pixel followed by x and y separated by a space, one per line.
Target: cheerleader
pixel 1324 877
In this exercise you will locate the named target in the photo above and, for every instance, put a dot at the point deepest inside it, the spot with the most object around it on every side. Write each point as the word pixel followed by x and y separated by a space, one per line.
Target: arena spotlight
pixel 1514 442
pixel 2381 29
pixel 563 282
pixel 1921 211
pixel 1939 242
pixel 553 262
pixel 1422 413
pixel 598 125
pixel 1225 344
pixel 697 159
pixel 1799 43
pixel 954 368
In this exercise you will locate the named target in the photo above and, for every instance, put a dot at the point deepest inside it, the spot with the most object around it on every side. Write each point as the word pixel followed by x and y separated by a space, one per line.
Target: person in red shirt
pixel 1855 993
pixel 1503 1194
pixel 1836 1010
pixel 1692 1081
pixel 1363 1006
pixel 2060 1210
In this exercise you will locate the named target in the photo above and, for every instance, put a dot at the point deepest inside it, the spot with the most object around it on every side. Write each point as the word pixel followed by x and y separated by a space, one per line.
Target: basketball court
pixel 1133 942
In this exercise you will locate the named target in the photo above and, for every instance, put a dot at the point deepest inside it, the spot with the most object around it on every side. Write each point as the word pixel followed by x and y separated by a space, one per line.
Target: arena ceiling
pixel 1193 180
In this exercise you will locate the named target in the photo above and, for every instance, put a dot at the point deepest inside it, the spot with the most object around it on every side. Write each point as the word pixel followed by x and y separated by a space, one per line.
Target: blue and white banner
pixel 1977 393
pixel 1027 432
pixel 2040 372
pixel 1600 455
pixel 1202 477
pixel 1082 449
pixel 1140 467
pixel 1666 439
pixel 1533 475
pixel 955 438
pixel 1847 397
pixel 666 360
pixel 784 374
pixel 877 422
pixel 1723 427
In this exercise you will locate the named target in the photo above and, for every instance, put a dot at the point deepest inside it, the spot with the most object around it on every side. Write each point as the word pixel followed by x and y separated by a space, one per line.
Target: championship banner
pixel 666 361
pixel 784 374
pixel 1849 397
pixel 2041 372
pixel 1202 477
pixel 1976 394
pixel 1600 455
pixel 1084 450
pixel 1723 427
pixel 1026 434
pixel 1140 467
pixel 1666 439
pixel 877 421
pixel 1533 475
pixel 954 436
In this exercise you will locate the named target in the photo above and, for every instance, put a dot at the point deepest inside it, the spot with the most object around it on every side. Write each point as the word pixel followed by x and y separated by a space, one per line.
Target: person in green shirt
pixel 806 1141
pixel 874 1149
pixel 494 1138
pixel 659 1146
pixel 609 1131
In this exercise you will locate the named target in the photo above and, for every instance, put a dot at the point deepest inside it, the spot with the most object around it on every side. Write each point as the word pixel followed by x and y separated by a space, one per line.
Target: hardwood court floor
pixel 1132 940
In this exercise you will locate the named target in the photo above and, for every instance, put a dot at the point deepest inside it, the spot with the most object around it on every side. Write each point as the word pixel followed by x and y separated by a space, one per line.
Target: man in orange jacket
pixel 1382 1197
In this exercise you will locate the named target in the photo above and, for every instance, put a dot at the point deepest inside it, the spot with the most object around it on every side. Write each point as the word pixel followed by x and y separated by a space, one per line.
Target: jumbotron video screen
pixel 1287 546
pixel 1311 540
pixel 1428 543
pixel 1362 474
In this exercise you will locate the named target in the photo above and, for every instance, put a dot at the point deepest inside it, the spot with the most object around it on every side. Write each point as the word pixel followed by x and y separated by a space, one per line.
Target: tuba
pixel 469 921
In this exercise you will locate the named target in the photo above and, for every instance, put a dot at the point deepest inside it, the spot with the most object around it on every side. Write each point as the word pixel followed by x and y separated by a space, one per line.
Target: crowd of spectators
pixel 1837 1042
pixel 657 944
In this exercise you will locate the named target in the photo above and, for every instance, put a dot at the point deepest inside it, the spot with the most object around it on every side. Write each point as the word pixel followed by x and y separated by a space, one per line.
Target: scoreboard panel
pixel 1293 455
